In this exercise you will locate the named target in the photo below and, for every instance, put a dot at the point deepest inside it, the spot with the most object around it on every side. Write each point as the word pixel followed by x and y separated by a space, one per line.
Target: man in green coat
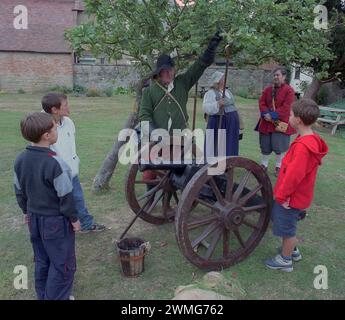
pixel 164 102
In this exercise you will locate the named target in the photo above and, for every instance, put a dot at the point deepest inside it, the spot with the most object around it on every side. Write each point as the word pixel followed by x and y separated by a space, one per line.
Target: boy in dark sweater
pixel 43 189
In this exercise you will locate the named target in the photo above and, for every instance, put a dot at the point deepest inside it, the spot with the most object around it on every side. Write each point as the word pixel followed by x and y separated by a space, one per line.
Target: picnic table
pixel 332 116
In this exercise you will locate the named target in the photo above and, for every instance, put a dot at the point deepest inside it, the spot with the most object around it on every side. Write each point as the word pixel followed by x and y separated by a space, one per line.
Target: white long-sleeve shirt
pixel 210 103
pixel 65 145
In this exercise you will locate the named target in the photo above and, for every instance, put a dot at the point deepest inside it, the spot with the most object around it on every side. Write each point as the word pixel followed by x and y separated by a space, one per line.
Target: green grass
pixel 98 276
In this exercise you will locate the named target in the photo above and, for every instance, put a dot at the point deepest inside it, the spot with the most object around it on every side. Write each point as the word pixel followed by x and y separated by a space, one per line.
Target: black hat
pixel 163 62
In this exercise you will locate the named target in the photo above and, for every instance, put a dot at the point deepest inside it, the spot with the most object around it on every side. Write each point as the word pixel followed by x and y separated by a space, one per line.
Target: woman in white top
pixel 213 104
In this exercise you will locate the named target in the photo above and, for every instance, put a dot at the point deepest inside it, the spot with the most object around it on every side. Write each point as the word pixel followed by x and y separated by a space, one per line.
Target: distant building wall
pixel 252 81
pixel 103 76
pixel 34 71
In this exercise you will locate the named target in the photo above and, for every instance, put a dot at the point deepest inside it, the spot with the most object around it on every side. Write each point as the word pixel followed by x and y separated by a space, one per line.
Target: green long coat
pixel 159 112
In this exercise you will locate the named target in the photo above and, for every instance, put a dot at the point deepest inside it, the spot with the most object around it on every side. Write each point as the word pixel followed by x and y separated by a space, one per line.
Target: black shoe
pixel 94 228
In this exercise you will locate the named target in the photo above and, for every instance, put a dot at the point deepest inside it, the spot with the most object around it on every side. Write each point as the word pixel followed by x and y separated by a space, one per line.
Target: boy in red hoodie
pixel 295 184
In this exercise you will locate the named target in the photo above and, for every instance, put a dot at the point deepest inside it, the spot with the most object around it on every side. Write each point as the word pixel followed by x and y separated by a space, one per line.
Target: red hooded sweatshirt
pixel 297 174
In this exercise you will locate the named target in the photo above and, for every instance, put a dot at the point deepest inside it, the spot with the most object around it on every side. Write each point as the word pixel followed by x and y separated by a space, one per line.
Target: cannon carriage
pixel 219 219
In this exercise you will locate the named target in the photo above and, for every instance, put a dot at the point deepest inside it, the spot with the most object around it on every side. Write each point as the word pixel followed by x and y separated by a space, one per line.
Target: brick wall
pixel 251 80
pixel 34 71
pixel 104 76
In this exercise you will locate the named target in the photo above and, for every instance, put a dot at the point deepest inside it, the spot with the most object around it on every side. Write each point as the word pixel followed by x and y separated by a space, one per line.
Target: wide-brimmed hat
pixel 216 76
pixel 164 61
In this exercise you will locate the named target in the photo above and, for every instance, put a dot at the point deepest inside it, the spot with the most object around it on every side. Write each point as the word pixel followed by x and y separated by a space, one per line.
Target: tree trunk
pixel 313 89
pixel 101 181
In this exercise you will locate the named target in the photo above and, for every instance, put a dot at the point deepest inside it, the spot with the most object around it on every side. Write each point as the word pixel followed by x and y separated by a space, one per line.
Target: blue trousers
pixel 230 122
pixel 53 243
pixel 85 218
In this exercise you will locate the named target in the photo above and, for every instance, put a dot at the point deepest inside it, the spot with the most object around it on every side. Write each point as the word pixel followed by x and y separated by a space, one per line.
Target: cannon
pixel 219 219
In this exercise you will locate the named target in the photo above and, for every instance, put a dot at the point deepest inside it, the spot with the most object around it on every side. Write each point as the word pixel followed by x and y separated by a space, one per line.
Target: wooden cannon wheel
pixel 159 203
pixel 231 215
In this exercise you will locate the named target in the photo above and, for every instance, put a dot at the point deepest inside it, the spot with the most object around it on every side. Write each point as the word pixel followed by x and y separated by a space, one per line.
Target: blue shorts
pixel 285 221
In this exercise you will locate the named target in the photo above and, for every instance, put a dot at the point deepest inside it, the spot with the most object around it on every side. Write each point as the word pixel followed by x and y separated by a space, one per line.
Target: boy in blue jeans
pixel 43 188
pixel 56 104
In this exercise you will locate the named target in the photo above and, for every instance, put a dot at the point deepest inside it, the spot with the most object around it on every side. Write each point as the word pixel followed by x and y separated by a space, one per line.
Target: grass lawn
pixel 98 120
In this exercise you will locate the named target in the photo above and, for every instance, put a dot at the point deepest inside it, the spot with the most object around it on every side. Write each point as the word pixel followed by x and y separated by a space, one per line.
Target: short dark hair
pixel 307 110
pixel 34 125
pixel 281 69
pixel 51 100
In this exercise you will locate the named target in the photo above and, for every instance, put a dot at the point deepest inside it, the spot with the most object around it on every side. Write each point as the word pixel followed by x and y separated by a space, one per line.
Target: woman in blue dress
pixel 213 105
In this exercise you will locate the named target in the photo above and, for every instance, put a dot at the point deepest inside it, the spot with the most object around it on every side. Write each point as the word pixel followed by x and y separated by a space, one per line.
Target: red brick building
pixel 38 57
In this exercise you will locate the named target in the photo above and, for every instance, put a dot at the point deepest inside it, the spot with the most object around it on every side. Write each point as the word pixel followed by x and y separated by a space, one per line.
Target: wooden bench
pixel 338 114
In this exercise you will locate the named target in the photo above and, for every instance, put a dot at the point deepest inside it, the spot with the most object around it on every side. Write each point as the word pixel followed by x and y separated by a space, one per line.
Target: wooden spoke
pixel 206 204
pixel 149 182
pixel 208 230
pixel 165 203
pixel 160 173
pixel 154 203
pixel 248 210
pixel 249 195
pixel 213 243
pixel 229 184
pixel 175 197
pixel 216 191
pixel 226 242
pixel 201 222
pixel 239 238
pixel 241 186
pixel 148 193
pixel 249 224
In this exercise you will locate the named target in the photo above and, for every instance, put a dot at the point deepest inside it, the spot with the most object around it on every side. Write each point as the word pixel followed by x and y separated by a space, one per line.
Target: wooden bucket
pixel 131 253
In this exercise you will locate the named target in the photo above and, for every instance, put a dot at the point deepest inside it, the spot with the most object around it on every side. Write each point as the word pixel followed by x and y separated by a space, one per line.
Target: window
pixel 297 73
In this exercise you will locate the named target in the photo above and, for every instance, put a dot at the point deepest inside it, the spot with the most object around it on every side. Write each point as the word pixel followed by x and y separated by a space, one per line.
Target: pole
pixel 194 108
pixel 227 56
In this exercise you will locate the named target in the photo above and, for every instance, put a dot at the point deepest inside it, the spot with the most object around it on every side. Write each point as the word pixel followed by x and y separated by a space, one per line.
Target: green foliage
pixel 121 90
pixel 79 89
pixel 21 91
pixel 93 92
pixel 248 93
pixel 258 30
pixel 303 86
pixel 61 89
pixel 109 92
pixel 327 67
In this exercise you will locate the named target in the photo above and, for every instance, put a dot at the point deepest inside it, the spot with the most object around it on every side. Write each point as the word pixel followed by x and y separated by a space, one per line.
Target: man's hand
pixel 267 117
pixel 286 204
pixel 209 54
pixel 26 219
pixel 215 40
pixel 221 103
pixel 76 226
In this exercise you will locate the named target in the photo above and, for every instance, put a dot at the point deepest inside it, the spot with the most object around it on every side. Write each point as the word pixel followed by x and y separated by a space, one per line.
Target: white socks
pixel 279 158
pixel 266 158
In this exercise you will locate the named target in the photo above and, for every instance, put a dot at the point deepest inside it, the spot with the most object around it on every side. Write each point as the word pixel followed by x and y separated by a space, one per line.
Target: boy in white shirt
pixel 57 105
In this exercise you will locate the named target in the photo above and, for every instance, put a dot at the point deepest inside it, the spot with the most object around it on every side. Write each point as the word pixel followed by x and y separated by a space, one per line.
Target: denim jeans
pixel 53 243
pixel 85 218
